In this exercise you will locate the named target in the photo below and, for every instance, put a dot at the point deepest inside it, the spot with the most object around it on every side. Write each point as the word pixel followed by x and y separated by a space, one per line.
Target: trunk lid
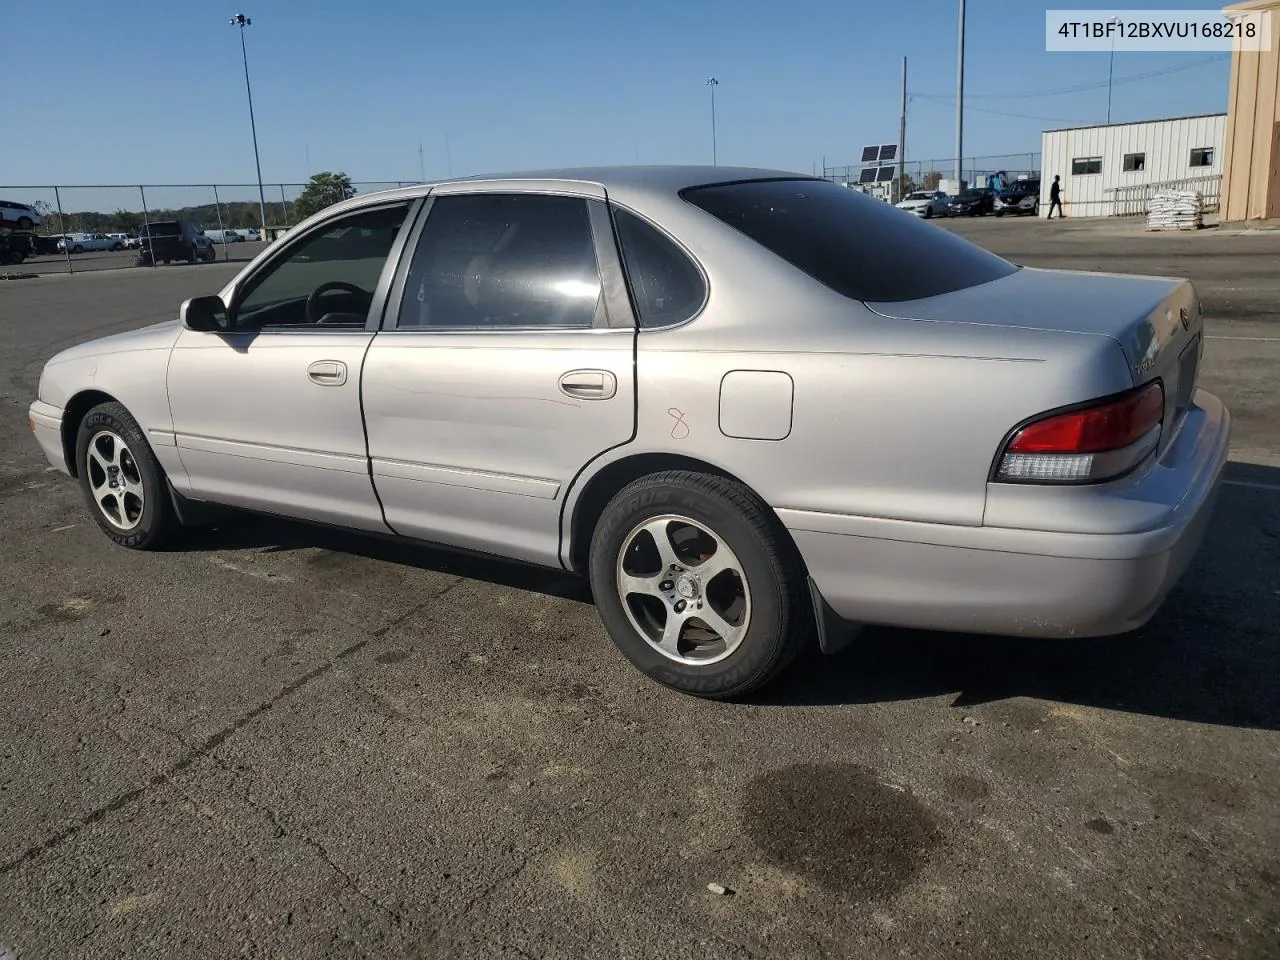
pixel 1155 320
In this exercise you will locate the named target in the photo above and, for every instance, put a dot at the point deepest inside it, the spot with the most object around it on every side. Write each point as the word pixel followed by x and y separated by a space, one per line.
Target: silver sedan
pixel 756 409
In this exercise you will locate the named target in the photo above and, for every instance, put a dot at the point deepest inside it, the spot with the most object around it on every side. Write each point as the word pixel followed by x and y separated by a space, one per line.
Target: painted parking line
pixel 1254 339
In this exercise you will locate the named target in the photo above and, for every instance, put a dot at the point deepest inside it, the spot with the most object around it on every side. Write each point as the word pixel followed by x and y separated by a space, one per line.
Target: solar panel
pixel 884 174
pixel 870 154
pixel 867 176
pixel 888 152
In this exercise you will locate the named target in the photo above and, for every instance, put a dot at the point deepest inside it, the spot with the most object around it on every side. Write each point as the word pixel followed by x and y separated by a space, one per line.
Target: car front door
pixel 505 365
pixel 266 413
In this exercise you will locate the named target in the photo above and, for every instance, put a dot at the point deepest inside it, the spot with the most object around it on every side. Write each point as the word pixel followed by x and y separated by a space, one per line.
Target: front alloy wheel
pixel 115 480
pixel 122 481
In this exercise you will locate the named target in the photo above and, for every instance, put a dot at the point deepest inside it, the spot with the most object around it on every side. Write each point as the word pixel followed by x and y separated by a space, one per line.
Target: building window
pixel 1085 165
pixel 1133 162
pixel 1202 157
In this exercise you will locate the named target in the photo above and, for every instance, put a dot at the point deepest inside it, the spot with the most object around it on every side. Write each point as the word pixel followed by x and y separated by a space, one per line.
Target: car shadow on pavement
pixel 1210 655
pixel 237 530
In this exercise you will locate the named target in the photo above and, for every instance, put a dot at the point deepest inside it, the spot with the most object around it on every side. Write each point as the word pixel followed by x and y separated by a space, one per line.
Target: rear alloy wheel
pixel 698 584
pixel 122 482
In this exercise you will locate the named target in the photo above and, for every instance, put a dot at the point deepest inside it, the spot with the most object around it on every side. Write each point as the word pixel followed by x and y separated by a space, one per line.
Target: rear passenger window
pixel 665 285
pixel 504 260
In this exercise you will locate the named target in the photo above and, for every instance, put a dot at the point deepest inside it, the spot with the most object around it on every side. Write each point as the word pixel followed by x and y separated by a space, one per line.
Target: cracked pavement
pixel 280 741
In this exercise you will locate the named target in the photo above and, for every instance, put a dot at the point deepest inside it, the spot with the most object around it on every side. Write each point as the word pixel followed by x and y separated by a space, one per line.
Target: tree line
pixel 235 216
pixel 323 190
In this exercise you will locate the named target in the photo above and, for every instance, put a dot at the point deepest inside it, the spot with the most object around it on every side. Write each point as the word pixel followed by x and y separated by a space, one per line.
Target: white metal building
pixel 1109 170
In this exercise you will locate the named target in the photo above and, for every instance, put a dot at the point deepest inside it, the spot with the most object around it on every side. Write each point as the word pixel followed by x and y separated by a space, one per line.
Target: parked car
pixel 81 242
pixel 129 240
pixel 18 216
pixel 224 236
pixel 925 203
pixel 164 241
pixel 1022 197
pixel 252 234
pixel 706 389
pixel 974 202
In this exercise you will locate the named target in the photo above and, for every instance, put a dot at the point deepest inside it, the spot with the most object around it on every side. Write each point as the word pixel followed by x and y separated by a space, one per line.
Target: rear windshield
pixel 858 246
pixel 161 229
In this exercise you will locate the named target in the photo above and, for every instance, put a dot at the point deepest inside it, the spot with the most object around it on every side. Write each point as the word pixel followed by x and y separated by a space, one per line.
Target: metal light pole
pixel 1111 70
pixel 241 21
pixel 713 83
pixel 902 137
pixel 960 99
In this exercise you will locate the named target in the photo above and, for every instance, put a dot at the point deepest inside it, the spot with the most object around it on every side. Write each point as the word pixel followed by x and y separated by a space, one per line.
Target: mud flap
pixel 834 632
pixel 192 513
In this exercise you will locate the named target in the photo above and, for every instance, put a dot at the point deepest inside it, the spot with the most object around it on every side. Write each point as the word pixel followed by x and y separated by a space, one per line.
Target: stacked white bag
pixel 1176 210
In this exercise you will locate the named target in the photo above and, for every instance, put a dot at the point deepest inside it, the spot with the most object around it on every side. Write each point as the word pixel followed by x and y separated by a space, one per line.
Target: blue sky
pixel 152 91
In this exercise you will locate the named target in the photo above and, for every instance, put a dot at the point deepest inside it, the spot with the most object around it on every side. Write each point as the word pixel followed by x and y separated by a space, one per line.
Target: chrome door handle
pixel 589 384
pixel 328 373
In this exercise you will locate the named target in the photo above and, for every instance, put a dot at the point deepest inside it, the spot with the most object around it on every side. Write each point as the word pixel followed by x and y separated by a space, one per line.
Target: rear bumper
pixel 1028 582
pixel 46 424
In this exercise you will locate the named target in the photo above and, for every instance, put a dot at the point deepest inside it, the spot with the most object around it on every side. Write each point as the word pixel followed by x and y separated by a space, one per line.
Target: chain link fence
pixel 96 227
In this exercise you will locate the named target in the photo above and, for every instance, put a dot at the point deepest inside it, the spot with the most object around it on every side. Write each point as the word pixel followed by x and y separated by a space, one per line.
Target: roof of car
pixel 661 177
pixel 633 182
pixel 665 179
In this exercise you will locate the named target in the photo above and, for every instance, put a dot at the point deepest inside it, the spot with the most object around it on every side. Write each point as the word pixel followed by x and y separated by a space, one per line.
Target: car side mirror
pixel 205 314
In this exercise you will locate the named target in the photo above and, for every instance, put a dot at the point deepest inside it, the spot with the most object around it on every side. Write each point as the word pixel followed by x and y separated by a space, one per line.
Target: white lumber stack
pixel 1176 210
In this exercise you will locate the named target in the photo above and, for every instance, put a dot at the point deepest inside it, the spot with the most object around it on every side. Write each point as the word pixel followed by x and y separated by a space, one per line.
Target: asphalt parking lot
pixel 276 741
pixel 94 260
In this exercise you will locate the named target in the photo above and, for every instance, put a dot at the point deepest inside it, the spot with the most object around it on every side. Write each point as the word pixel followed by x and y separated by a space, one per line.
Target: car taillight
pixel 1101 441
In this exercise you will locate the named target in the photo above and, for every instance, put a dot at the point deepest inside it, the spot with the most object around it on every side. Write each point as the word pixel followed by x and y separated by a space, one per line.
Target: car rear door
pixel 504 366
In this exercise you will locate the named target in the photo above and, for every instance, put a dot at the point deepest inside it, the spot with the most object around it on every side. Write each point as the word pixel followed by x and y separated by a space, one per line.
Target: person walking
pixel 1055 199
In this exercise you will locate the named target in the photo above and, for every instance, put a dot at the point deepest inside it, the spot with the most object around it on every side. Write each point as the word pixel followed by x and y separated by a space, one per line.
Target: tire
pixel 759 597
pixel 140 516
pixel 117 248
pixel 77 249
pixel 25 223
pixel 928 213
pixel 194 254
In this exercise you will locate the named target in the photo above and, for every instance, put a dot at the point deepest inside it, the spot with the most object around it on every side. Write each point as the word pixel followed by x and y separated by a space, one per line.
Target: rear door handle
pixel 328 373
pixel 589 384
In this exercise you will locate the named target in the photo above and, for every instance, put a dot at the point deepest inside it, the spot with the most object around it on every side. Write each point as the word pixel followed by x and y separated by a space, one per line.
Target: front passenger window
pixel 327 279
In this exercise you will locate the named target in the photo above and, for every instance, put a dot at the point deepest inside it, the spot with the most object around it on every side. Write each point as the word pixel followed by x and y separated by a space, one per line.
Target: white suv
pixel 19 216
